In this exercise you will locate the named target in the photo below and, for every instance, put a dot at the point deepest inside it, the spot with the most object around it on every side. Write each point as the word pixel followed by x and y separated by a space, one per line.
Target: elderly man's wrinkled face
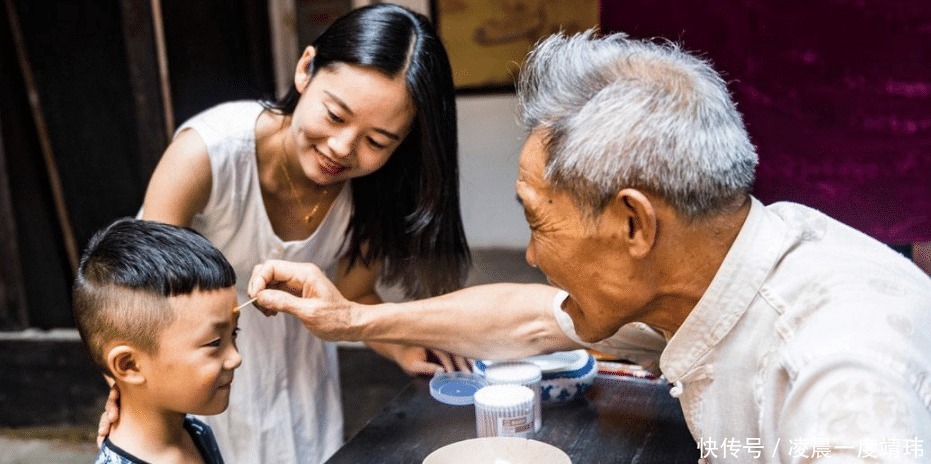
pixel 581 258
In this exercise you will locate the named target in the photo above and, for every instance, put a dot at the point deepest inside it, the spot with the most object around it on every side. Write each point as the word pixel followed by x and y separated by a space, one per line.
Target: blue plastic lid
pixel 455 388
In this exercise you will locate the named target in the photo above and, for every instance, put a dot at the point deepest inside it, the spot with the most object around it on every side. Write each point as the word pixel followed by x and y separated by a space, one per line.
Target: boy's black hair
pixel 127 273
pixel 154 257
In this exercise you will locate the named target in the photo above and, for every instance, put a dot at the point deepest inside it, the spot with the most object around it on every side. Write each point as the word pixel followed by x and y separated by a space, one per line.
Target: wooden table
pixel 619 421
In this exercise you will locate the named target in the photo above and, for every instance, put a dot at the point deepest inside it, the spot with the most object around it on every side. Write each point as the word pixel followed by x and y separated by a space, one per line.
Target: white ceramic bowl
pixel 498 450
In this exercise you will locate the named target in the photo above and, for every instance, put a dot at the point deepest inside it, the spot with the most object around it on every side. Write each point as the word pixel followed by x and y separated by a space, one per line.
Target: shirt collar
pixel 748 263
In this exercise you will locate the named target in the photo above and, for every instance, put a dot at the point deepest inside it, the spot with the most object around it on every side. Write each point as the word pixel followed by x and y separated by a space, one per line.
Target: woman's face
pixel 348 122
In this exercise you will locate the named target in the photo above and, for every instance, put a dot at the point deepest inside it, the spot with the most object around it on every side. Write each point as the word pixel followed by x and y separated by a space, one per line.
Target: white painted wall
pixel 489 144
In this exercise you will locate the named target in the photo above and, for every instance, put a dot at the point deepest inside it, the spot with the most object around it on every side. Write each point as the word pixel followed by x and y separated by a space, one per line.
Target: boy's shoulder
pixel 204 439
pixel 112 454
pixel 199 431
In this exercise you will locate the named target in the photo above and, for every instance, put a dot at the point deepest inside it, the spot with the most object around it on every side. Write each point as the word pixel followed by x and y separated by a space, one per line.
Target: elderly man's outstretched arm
pixel 494 321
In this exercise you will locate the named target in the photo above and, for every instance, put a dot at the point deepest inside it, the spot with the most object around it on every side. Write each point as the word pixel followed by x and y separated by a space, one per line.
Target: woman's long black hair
pixel 406 213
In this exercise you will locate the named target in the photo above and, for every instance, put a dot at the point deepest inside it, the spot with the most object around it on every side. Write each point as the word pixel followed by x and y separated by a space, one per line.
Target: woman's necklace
pixel 287 177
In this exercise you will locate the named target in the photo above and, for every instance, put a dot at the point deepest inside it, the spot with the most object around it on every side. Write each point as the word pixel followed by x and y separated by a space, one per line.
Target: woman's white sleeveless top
pixel 285 401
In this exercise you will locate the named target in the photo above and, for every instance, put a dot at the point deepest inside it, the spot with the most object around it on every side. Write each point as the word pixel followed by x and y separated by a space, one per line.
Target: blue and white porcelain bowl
pixel 567 375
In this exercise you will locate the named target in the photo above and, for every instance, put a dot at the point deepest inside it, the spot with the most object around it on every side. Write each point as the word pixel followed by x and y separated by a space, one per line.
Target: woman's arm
pixel 357 284
pixel 180 185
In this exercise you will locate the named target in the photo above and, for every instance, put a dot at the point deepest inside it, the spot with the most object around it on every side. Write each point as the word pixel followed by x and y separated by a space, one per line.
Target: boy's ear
pixel 124 366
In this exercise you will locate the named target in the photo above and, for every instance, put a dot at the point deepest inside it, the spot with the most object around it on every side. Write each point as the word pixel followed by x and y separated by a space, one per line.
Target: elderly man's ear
pixel 640 216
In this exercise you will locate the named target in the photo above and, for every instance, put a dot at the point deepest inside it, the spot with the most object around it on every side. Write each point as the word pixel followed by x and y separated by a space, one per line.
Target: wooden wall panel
pixel 12 289
pixel 217 52
pixel 95 68
pixel 42 264
pixel 836 97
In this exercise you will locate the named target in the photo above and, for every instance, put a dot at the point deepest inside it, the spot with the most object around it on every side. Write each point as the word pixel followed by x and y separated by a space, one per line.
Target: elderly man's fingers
pixel 271 302
pixel 293 275
pixel 256 283
pixel 265 311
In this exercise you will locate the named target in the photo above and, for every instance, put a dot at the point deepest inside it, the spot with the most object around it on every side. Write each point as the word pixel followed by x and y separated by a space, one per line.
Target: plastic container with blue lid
pixel 455 388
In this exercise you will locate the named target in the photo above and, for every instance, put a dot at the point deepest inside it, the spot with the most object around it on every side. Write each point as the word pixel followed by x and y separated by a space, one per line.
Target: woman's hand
pixel 451 362
pixel 303 291
pixel 416 360
pixel 110 416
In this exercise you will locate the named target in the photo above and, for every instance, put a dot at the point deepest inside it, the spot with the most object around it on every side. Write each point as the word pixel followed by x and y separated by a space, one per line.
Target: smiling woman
pixel 354 170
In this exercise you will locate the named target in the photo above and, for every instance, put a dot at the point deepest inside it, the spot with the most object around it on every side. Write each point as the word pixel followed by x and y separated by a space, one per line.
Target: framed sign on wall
pixel 487 40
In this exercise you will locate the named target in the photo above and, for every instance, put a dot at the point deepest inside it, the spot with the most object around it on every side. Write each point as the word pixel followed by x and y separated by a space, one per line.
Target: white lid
pixel 504 396
pixel 560 361
pixel 519 372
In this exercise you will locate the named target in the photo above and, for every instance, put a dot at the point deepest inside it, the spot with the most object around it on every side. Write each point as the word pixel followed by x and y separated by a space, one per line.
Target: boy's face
pixel 193 368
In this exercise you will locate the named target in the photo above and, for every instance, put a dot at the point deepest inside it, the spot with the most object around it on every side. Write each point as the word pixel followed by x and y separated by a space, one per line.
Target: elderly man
pixel 774 323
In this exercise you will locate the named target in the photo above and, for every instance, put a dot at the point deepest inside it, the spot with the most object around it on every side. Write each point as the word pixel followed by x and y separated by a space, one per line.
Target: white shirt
pixel 812 343
pixel 285 401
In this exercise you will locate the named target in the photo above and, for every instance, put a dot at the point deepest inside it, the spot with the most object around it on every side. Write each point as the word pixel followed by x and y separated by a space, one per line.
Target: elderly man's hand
pixel 302 290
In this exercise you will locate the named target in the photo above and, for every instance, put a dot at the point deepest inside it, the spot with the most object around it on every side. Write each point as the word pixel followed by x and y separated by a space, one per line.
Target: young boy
pixel 154 304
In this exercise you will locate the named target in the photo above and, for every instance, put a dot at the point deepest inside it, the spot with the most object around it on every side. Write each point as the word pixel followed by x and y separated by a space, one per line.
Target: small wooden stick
pixel 236 309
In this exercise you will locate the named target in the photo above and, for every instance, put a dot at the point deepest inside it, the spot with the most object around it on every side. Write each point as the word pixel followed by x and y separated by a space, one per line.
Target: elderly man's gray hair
pixel 618 112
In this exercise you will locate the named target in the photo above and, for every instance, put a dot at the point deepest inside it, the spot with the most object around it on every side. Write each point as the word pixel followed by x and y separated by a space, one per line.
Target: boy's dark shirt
pixel 200 433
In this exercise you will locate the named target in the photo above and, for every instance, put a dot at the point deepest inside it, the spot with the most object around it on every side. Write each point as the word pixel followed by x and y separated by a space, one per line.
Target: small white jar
pixel 523 373
pixel 504 411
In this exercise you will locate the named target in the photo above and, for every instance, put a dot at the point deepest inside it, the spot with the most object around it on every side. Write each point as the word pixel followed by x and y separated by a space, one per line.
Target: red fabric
pixel 836 96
